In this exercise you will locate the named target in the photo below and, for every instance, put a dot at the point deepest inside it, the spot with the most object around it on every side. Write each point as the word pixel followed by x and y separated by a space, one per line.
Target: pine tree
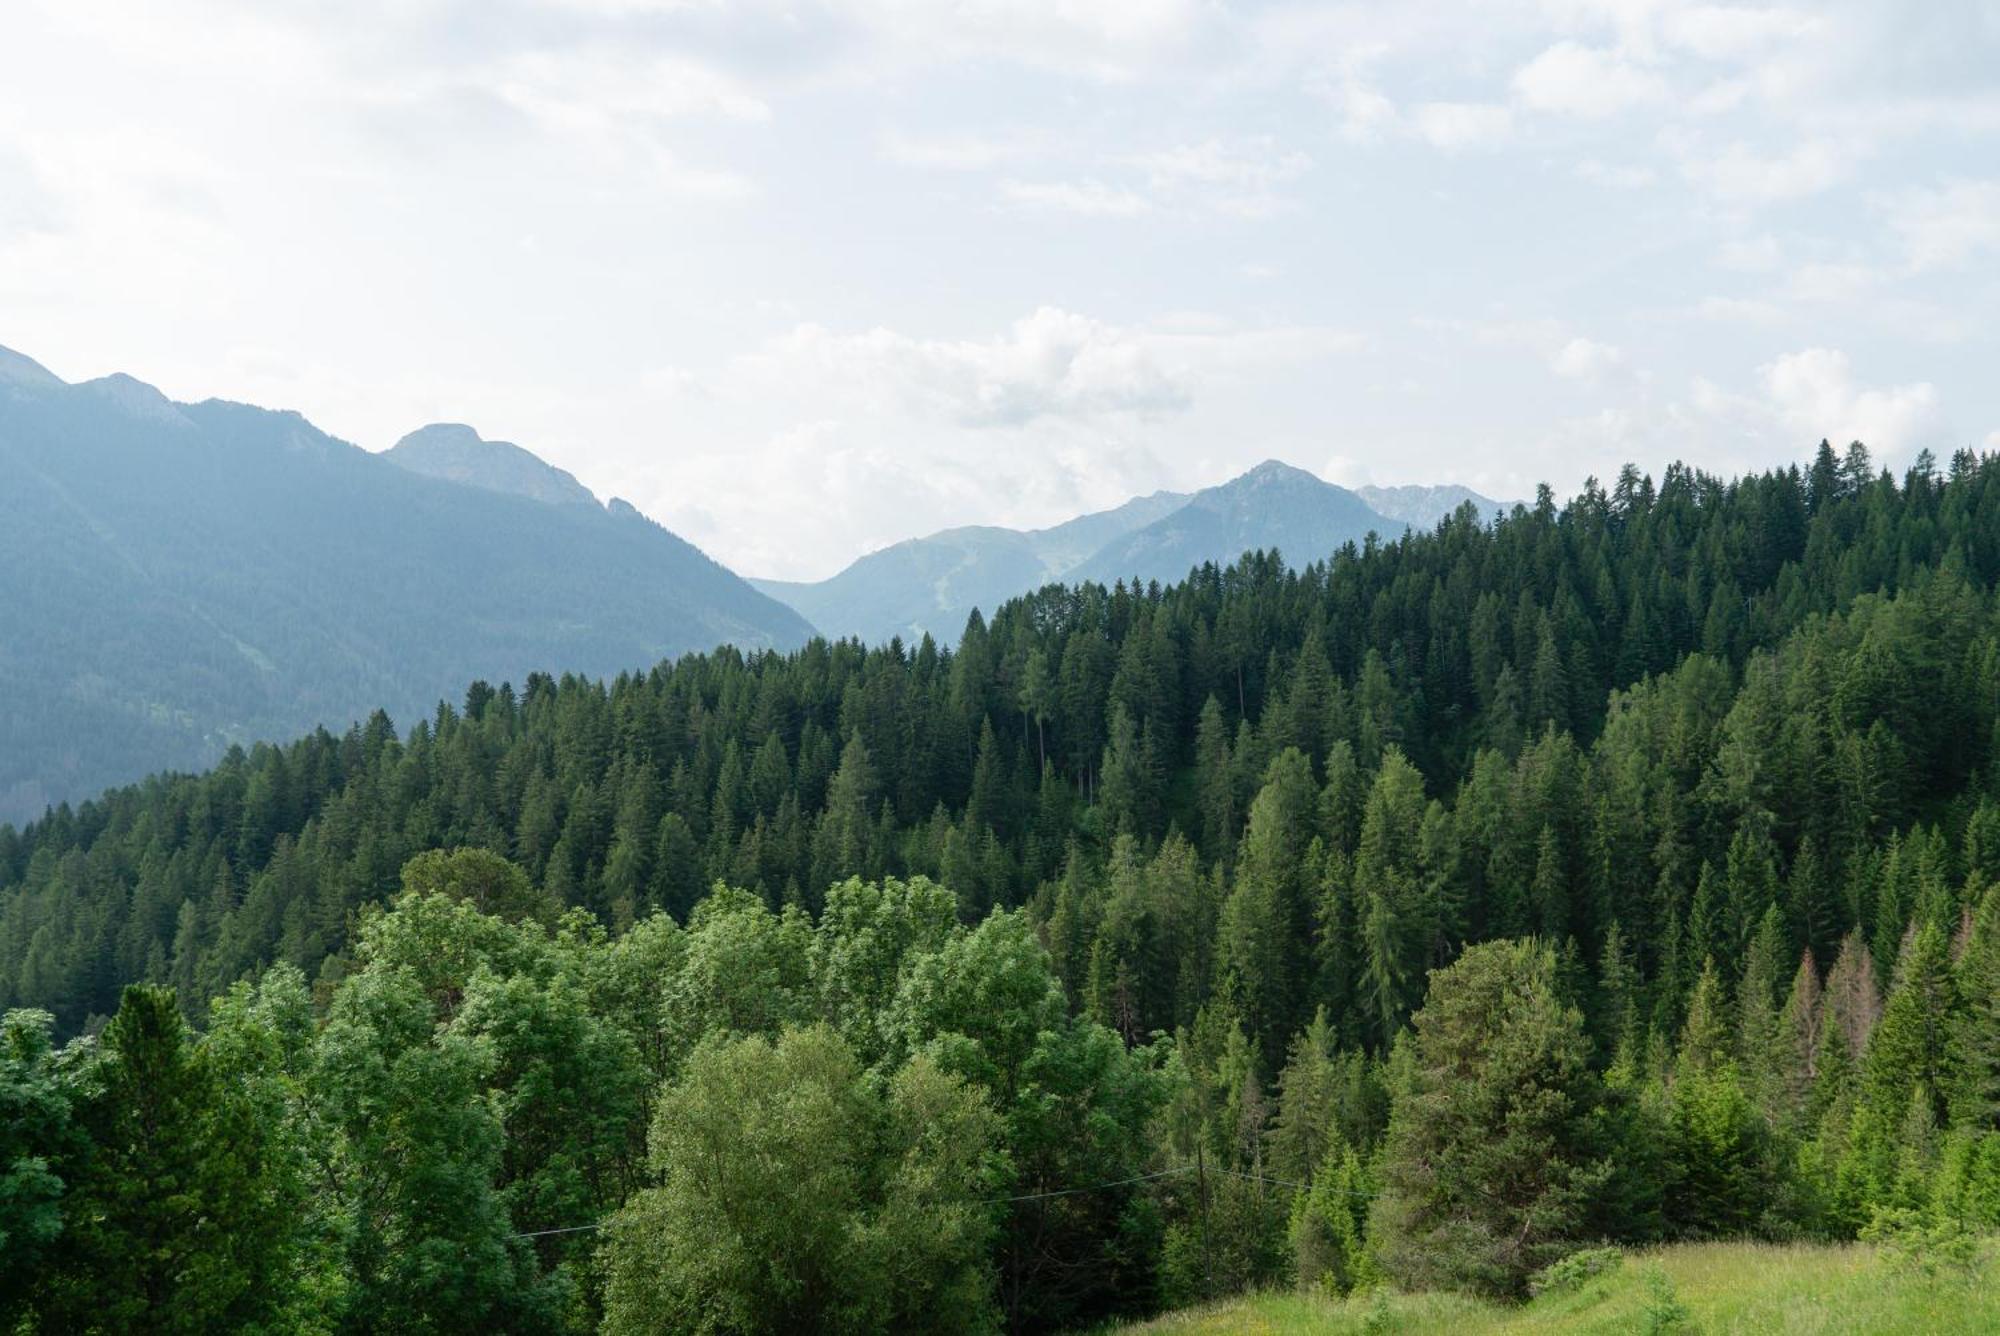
pixel 1975 1035
pixel 1909 1051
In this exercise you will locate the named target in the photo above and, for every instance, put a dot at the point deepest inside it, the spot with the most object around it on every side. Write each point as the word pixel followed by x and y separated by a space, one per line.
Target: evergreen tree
pixel 1491 1162
pixel 174 1219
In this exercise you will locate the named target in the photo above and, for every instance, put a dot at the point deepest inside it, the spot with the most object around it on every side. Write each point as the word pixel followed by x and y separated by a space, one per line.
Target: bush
pixel 1918 1245
pixel 1572 1271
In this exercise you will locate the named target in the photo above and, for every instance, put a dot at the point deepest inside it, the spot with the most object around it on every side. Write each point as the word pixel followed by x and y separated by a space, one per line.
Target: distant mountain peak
pixel 135 397
pixel 1277 470
pixel 1422 505
pixel 457 453
pixel 20 369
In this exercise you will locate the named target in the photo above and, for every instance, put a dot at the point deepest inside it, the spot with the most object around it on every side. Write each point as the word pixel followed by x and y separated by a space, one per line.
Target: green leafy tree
pixel 1492 1158
pixel 797 1195
pixel 38 1140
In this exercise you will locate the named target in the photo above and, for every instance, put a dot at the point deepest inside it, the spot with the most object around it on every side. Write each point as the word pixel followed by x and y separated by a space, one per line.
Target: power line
pixel 1094 1187
pixel 575 1229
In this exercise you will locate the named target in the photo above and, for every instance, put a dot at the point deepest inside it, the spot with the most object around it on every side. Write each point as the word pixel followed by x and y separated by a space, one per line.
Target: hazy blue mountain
pixel 1421 506
pixel 1272 506
pixel 932 584
pixel 456 452
pixel 175 578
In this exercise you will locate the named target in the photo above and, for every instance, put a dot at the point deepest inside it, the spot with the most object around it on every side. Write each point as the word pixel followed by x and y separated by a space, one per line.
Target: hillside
pixel 1725 1287
pixel 176 578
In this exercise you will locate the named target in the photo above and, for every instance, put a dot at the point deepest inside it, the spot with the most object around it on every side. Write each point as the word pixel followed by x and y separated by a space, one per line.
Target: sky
pixel 800 279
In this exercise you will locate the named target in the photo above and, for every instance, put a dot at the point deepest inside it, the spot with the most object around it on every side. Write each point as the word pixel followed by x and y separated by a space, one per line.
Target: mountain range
pixel 176 578
pixel 931 585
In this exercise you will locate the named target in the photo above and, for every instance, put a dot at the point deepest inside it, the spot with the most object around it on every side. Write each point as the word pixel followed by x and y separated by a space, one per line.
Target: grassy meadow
pixel 1798 1290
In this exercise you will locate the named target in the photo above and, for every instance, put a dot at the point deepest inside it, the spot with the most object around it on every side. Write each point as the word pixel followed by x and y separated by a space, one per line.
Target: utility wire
pixel 544 1233
pixel 1094 1187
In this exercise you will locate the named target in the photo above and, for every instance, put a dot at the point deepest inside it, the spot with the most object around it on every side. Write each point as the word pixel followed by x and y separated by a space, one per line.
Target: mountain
pixel 1272 506
pixel 456 452
pixel 931 585
pixel 175 578
pixel 1421 507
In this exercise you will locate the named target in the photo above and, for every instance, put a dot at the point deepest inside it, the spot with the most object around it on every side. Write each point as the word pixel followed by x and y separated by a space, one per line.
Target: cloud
pixel 971 152
pixel 1089 198
pixel 1750 255
pixel 1944 227
pixel 1050 364
pixel 1576 80
pixel 1463 125
pixel 1739 173
pixel 1241 179
pixel 1585 359
pixel 867 437
pixel 1815 394
pixel 1740 311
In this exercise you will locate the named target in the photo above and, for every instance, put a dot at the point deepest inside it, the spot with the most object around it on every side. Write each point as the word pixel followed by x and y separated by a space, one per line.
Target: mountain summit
pixel 454 451
pixel 1274 505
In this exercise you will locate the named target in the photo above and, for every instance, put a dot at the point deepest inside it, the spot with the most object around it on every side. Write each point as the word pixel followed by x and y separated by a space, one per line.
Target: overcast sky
pixel 801 279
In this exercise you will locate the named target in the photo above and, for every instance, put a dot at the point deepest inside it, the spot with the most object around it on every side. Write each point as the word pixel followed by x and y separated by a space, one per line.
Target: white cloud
pixel 1365 113
pixel 1832 284
pixel 1738 173
pixel 1256 166
pixel 1577 80
pixel 1622 176
pixel 1585 359
pixel 1947 226
pixel 965 152
pixel 1749 311
pixel 1750 255
pixel 1464 125
pixel 877 435
pixel 1051 364
pixel 1734 32
pixel 1814 393
pixel 1089 198
pixel 1242 179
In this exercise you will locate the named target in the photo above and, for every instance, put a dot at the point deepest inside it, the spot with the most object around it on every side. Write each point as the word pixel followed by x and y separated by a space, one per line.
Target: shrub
pixel 1572 1271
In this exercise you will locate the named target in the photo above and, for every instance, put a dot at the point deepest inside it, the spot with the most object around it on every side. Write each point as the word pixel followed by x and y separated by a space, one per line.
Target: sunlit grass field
pixel 1723 1287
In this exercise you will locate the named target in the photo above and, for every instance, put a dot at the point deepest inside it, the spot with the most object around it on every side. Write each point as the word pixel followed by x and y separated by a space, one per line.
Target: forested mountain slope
pixel 175 578
pixel 1656 834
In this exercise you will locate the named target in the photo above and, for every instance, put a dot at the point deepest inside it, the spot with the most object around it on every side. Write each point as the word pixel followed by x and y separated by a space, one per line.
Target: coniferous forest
pixel 1621 871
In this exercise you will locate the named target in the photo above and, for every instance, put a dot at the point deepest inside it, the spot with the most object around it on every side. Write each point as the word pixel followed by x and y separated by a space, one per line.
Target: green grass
pixel 1726 1287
